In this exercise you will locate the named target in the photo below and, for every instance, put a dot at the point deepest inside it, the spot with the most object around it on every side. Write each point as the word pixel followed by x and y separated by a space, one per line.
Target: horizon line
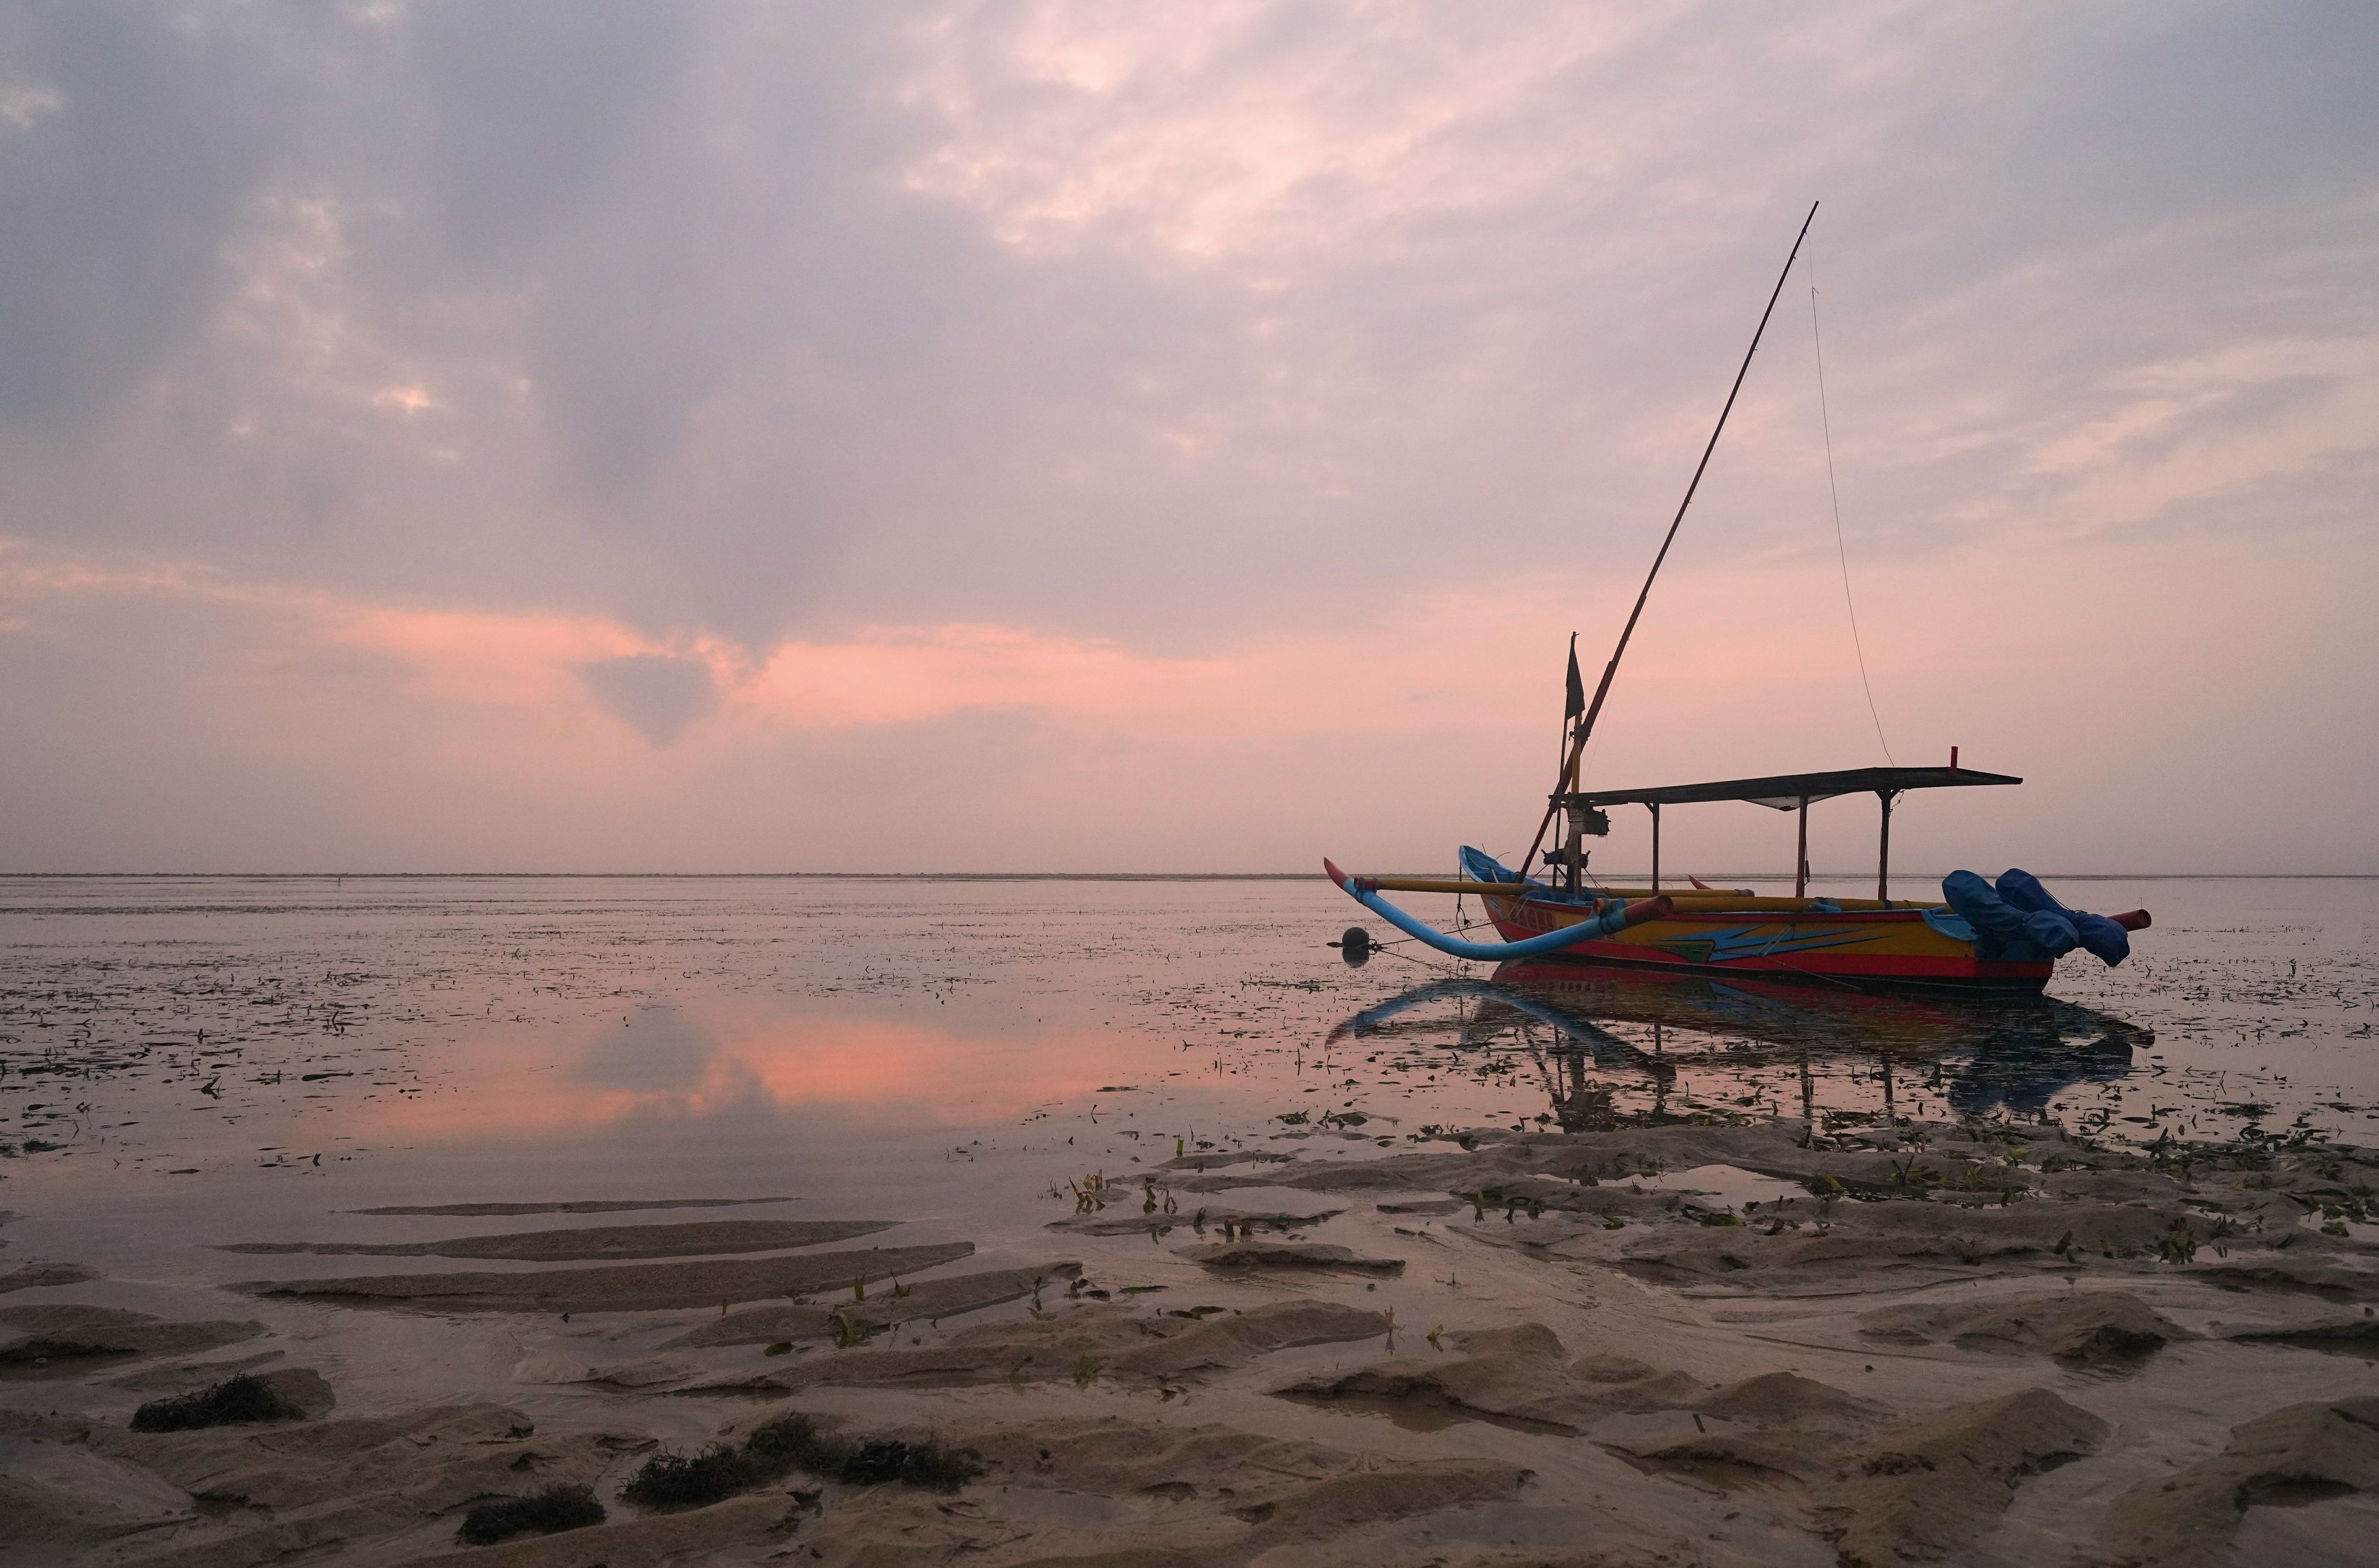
pixel 1619 878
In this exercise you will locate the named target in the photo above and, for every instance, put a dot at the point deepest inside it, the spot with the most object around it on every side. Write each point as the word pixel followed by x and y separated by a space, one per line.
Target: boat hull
pixel 1893 950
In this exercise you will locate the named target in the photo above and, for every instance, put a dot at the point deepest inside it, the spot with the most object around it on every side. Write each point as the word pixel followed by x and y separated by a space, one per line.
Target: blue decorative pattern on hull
pixel 1743 941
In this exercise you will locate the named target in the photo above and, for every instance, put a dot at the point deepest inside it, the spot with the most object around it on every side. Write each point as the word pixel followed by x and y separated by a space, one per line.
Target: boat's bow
pixel 1598 919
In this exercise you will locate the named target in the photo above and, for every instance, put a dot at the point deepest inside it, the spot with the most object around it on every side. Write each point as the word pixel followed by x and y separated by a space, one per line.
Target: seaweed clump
pixel 542 1514
pixel 692 1480
pixel 793 1442
pixel 926 1464
pixel 234 1401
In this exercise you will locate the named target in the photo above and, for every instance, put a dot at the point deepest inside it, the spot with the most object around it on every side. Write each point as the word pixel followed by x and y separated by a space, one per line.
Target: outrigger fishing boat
pixel 1979 938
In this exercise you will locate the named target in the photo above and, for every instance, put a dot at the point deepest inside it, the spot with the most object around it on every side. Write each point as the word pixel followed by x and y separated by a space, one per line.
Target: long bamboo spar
pixel 1603 689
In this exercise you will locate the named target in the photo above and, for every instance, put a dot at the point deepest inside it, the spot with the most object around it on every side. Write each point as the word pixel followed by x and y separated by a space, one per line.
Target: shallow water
pixel 191 1058
pixel 191 1065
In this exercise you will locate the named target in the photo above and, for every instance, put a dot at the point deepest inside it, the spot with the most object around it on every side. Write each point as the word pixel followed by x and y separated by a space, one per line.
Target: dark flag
pixel 1576 703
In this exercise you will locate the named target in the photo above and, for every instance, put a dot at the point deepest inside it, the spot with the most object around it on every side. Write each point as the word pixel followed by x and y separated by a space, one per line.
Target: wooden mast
pixel 1565 781
pixel 1576 844
pixel 1883 849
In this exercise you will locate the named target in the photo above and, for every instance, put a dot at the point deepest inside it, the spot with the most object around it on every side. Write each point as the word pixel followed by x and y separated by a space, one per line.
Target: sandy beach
pixel 1938 1343
pixel 602 1225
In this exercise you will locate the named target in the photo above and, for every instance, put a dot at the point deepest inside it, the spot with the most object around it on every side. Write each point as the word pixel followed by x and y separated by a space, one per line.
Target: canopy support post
pixel 1800 855
pixel 1656 846
pixel 1883 850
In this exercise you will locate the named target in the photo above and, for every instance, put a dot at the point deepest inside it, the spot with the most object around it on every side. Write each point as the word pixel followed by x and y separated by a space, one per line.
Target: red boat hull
pixel 1870 949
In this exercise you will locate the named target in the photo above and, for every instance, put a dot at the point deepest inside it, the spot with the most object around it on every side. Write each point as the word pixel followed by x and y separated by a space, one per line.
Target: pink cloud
pixel 472 735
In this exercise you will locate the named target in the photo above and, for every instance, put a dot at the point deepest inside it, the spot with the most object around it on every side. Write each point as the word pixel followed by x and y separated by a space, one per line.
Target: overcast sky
pixel 577 436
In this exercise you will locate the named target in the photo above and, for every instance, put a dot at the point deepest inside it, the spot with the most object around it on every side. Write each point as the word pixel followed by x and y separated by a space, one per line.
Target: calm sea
pixel 185 1062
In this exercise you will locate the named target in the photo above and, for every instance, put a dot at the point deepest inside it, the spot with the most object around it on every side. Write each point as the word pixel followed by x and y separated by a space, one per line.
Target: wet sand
pixel 646 1288
pixel 1968 1344
pixel 1171 1238
pixel 595 1241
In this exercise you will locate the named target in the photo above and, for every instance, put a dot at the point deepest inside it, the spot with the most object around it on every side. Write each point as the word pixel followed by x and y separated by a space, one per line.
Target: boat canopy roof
pixel 1785 791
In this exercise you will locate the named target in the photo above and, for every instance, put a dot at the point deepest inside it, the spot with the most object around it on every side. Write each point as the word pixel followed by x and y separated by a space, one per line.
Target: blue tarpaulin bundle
pixel 1479 867
pixel 2021 921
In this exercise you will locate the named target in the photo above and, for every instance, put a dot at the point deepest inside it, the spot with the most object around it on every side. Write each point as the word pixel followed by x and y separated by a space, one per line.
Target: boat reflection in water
pixel 1696 1045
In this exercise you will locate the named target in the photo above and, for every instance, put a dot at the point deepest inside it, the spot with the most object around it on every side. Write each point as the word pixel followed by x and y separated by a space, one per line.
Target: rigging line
pixel 1585 729
pixel 1842 550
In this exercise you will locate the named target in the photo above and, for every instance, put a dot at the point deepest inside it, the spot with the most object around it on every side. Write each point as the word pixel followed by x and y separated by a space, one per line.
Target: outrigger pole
pixel 1586 725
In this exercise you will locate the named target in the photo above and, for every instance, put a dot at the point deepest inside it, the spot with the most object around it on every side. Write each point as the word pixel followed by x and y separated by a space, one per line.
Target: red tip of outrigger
pixel 1330 869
